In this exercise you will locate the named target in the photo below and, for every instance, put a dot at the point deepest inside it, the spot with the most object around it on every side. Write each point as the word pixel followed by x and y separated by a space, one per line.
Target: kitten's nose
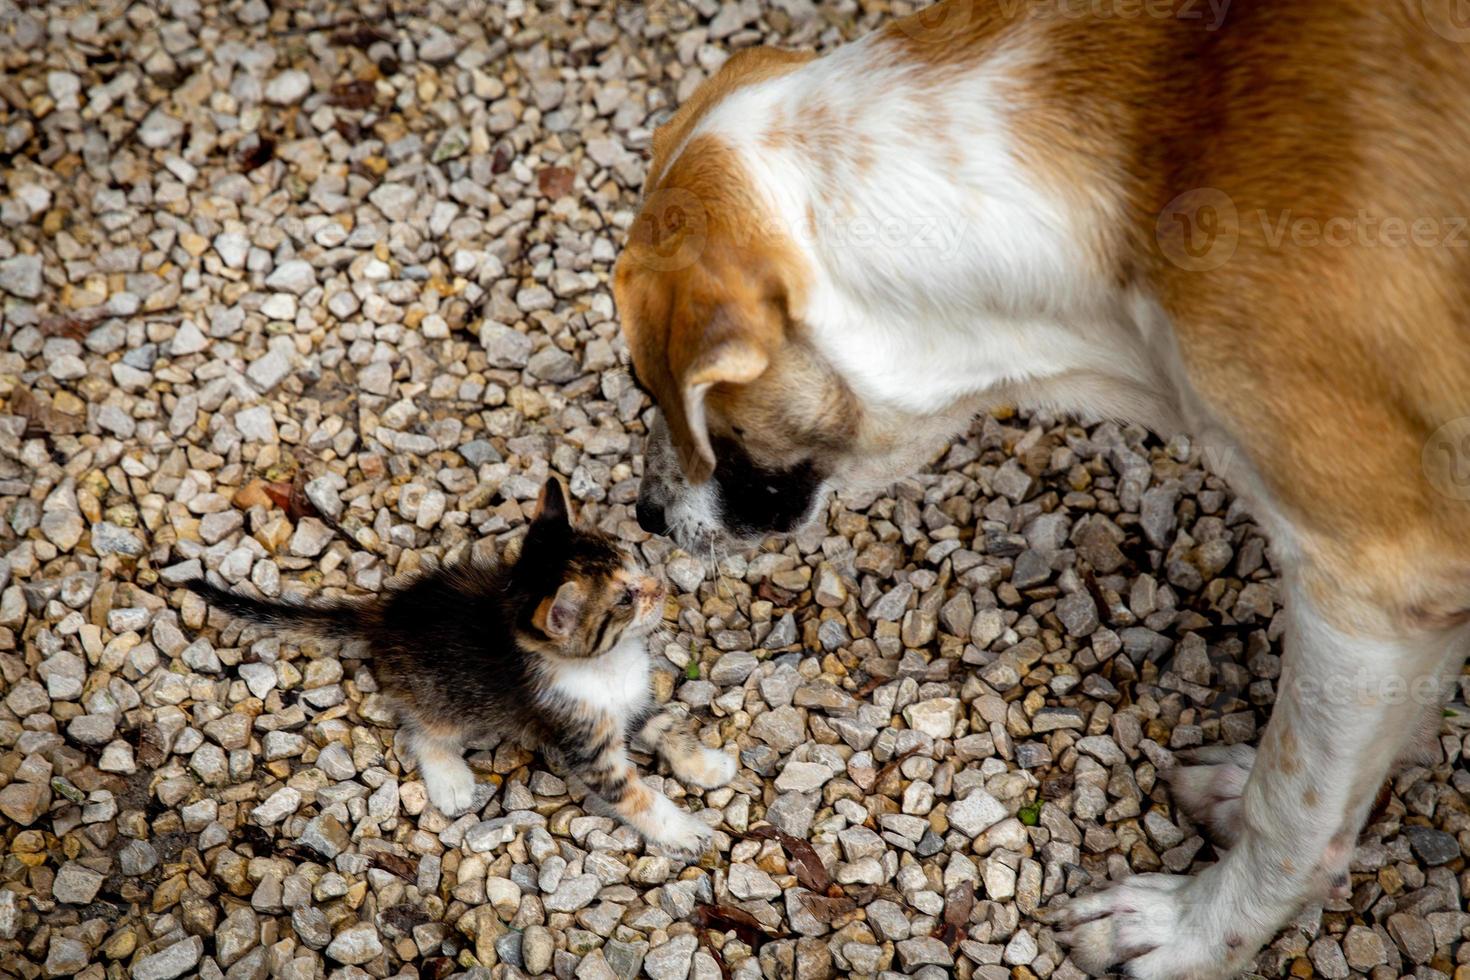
pixel 651 516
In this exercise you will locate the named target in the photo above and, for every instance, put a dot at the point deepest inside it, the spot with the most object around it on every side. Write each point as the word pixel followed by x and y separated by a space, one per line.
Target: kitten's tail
pixel 333 619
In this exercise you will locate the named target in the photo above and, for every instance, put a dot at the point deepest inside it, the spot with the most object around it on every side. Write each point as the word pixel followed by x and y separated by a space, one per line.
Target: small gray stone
pixel 749 882
pixel 506 347
pixel 256 424
pixel 293 276
pixel 65 957
pixel 76 884
pixel 1078 613
pixel 288 88
pixel 1363 948
pixel 732 668
pixel 923 951
pixel 170 962
pixel 1434 847
pixel 159 129
pixel 889 921
pixel 396 201
pixel 976 813
pixel 1021 950
pixel 1327 959
pixel 671 960
pixel 1413 936
pixel 311 538
pixel 792 813
pixel 92 729
pixel 573 893
pixel 277 807
pixel 935 717
pixel 803 777
pixel 355 945
pixel 109 539
pixel 783 728
pixel 269 370
pixel 20 275
pixel 553 364
pixel 137 857
pixel 312 926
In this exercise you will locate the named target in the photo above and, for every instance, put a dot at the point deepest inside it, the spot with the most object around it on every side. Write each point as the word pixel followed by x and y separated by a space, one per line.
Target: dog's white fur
pixel 1007 305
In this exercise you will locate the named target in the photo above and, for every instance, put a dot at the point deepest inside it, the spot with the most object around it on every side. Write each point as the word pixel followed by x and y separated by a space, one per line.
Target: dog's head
pixel 752 421
pixel 755 424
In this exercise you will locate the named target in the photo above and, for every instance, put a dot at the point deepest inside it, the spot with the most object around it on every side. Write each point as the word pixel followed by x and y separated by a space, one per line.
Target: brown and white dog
pixel 1247 224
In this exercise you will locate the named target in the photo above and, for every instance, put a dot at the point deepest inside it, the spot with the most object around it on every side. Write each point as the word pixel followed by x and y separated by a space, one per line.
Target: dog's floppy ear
pixel 693 331
pixel 728 345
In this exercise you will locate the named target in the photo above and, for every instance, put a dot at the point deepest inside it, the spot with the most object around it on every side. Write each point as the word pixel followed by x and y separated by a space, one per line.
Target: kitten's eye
pixel 625 598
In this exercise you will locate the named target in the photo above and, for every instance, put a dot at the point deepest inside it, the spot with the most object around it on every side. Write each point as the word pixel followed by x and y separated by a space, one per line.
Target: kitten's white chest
pixel 616 682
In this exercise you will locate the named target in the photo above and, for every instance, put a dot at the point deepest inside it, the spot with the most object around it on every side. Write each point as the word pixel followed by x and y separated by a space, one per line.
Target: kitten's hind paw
pixel 452 788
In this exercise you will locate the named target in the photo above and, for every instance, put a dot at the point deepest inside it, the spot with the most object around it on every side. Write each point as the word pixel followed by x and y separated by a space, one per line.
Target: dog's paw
pixel 1143 927
pixel 1207 784
pixel 680 834
pixel 451 787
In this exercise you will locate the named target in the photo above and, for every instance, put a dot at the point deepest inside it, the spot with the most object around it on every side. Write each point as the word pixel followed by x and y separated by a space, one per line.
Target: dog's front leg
pixel 1347 705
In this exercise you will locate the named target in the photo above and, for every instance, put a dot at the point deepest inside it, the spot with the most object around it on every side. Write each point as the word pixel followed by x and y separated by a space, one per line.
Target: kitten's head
pixel 584 592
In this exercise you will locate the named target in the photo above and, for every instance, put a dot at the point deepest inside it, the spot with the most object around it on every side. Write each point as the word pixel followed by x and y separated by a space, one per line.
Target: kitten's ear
pixel 551 505
pixel 557 616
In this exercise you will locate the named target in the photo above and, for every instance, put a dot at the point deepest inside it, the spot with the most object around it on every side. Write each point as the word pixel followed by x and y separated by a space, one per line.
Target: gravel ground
pixel 311 301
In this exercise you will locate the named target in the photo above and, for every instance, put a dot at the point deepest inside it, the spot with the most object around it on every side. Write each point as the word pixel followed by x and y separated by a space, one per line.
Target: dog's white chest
pixel 616 682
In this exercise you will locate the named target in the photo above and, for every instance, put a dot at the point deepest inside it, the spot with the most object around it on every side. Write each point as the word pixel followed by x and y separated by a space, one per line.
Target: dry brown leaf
pixel 395 865
pixel 958 904
pixel 353 95
pixel 727 918
pixel 41 418
pixel 825 908
pixel 801 858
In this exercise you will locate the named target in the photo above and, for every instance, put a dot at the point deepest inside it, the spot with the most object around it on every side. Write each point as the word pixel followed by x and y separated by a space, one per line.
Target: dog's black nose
pixel 651 517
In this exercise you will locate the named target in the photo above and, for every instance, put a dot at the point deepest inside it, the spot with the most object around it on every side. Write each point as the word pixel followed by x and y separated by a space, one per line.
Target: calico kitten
pixel 548 649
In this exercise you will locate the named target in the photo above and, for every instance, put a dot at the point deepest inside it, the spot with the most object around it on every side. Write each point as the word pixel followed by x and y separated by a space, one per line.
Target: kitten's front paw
pixel 711 769
pixel 681 834
pixel 451 788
